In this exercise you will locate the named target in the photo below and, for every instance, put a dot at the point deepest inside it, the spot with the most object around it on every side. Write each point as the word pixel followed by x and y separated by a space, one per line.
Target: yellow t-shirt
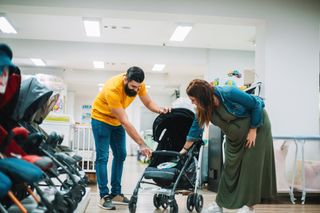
pixel 113 95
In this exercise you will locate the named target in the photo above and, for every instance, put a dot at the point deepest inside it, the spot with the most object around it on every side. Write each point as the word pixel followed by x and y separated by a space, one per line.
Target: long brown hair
pixel 202 91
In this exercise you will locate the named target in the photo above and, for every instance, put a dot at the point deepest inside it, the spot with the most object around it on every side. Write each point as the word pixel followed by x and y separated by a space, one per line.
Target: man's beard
pixel 129 92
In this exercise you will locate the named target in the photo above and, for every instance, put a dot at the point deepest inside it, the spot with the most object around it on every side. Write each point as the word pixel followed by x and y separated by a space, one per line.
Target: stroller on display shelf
pixel 35 102
pixel 24 175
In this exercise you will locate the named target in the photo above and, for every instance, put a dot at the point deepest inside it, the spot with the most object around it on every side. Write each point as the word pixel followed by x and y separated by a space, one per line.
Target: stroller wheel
pixel 190 202
pixel 164 201
pixel 83 190
pixel 199 202
pixel 132 205
pixel 156 201
pixel 72 205
pixel 174 207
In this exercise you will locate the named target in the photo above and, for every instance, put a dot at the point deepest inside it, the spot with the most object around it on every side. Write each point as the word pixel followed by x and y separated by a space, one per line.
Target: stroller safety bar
pixel 166 153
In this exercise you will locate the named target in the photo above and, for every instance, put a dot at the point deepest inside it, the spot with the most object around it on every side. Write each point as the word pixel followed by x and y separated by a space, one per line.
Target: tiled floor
pixel 133 171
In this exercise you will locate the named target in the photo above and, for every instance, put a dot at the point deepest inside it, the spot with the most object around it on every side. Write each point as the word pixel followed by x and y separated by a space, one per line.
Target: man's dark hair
pixel 135 74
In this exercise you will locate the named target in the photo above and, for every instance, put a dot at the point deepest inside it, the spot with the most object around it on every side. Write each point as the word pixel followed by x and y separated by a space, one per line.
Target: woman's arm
pixel 195 133
pixel 255 106
pixel 186 147
pixel 252 103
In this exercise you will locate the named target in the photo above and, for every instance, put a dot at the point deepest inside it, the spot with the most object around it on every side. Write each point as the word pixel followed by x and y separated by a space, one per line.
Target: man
pixel 109 123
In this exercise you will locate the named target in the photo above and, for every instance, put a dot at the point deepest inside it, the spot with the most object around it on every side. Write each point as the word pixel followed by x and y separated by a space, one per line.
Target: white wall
pixel 292 76
pixel 221 61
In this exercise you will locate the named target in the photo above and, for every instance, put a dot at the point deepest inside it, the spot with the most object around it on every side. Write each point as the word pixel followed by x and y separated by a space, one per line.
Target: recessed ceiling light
pixel 5 25
pixel 98 64
pixel 181 32
pixel 148 86
pixel 92 27
pixel 158 67
pixel 38 62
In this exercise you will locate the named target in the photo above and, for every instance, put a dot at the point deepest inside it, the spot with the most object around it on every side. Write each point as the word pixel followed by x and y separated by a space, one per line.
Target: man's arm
pixel 121 115
pixel 152 106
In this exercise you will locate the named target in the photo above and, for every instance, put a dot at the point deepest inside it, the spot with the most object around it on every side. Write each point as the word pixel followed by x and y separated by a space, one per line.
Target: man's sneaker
pixel 120 199
pixel 106 203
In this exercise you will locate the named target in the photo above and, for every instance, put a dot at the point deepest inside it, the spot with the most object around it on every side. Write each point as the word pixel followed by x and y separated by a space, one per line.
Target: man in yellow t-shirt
pixel 109 123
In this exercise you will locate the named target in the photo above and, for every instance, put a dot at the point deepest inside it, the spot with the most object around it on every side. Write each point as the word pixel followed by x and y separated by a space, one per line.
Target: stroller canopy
pixel 44 110
pixel 170 130
pixel 33 95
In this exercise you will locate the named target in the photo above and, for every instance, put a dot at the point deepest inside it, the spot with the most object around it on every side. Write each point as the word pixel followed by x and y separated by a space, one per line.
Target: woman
pixel 249 169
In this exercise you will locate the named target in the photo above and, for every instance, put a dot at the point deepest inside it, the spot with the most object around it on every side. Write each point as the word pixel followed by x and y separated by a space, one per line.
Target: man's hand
pixel 164 110
pixel 145 150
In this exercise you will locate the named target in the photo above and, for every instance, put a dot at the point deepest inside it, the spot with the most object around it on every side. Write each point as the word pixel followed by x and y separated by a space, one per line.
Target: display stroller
pixel 170 171
pixel 72 188
pixel 33 97
pixel 34 103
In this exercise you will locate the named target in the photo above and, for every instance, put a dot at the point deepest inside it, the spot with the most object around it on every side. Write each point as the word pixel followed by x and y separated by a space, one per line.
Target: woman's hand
pixel 251 138
pixel 186 147
pixel 183 151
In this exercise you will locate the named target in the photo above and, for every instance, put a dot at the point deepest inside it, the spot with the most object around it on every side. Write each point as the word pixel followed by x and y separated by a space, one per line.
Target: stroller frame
pixel 166 197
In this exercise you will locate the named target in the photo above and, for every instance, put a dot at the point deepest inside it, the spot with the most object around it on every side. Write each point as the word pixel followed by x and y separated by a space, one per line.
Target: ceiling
pixel 53 31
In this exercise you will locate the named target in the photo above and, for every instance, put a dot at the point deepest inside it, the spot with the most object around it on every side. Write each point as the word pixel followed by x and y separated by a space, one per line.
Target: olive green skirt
pixel 248 173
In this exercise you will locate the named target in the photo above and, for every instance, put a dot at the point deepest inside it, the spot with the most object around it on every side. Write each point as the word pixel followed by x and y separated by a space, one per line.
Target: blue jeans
pixel 106 135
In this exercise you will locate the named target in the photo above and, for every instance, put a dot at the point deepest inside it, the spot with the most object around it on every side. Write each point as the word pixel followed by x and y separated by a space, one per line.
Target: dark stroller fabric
pixel 5 184
pixel 32 96
pixel 170 131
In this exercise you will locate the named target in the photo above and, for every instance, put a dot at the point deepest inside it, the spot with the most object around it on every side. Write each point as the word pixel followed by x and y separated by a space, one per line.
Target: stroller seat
pixel 165 170
pixel 5 184
pixel 167 174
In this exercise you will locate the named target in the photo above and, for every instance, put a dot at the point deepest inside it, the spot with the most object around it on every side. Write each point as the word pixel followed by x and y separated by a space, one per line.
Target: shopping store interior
pixel 63 52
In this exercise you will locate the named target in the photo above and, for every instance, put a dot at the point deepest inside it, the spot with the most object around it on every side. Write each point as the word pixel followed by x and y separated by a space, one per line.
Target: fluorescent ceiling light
pixel 158 67
pixel 5 26
pixel 38 62
pixel 98 64
pixel 180 33
pixel 92 27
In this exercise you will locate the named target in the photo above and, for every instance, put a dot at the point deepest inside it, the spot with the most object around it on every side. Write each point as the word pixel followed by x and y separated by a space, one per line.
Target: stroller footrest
pixel 164 174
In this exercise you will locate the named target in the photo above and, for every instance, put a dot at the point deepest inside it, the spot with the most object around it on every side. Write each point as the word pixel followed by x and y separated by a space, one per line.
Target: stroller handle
pixel 166 153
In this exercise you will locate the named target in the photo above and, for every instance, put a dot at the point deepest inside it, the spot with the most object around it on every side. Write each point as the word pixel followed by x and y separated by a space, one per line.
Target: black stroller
pixel 170 171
